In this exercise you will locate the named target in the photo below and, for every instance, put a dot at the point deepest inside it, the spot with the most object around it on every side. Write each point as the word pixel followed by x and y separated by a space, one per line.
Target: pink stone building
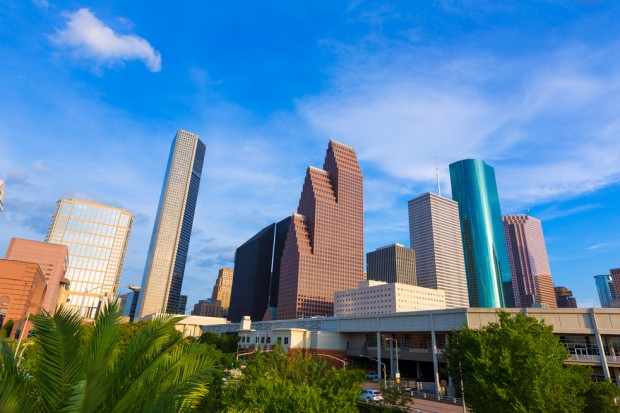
pixel 529 264
pixel 324 249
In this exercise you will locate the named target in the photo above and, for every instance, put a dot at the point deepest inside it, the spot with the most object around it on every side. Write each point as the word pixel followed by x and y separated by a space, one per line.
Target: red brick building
pixel 324 248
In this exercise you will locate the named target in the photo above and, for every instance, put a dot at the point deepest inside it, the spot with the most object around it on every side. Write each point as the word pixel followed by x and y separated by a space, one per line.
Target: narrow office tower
pixel 165 263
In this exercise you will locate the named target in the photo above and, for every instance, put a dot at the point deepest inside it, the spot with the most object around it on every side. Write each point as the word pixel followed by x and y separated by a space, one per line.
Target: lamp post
pixel 397 375
pixel 84 297
pixel 344 362
pixel 22 327
pixel 384 369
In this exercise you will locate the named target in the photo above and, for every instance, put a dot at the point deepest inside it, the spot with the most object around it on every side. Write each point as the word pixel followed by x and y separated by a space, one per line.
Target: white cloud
pixel 90 38
pixel 548 124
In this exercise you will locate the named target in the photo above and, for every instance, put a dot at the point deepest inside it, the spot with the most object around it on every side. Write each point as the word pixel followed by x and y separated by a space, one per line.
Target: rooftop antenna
pixel 437 175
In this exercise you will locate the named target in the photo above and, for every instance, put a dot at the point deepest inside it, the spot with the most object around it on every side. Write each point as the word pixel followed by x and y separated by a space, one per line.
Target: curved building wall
pixel 484 246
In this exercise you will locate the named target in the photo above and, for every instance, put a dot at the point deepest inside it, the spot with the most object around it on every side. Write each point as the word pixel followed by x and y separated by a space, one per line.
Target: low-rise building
pixel 377 297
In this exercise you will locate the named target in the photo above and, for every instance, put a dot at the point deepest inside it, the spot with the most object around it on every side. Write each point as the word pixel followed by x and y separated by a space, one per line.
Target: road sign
pixel 397 374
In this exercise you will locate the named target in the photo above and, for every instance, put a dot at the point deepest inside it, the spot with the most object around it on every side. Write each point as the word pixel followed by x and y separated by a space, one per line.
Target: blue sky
pixel 92 93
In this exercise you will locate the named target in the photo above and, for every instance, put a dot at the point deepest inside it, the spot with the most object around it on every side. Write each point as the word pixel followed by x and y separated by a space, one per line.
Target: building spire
pixel 437 175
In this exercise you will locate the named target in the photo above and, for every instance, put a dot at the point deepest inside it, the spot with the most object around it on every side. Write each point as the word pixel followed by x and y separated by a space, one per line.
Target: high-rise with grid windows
pixel 165 264
pixel 324 248
pixel 97 237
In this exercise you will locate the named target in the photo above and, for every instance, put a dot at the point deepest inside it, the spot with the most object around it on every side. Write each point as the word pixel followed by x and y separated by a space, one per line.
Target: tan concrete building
pixel 22 292
pixel 435 235
pixel 377 297
pixel 53 260
pixel 204 308
pixel 223 288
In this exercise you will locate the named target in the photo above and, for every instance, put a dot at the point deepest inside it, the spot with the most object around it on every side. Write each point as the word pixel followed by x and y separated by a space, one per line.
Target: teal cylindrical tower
pixel 484 246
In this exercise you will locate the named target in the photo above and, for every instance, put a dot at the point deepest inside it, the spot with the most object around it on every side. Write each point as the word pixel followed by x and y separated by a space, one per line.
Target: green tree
pixel 7 327
pixel 282 382
pixel 157 371
pixel 226 343
pixel 601 398
pixel 515 365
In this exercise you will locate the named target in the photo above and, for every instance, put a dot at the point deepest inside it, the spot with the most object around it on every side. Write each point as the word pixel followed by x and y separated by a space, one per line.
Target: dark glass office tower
pixel 484 246
pixel 165 264
pixel 257 274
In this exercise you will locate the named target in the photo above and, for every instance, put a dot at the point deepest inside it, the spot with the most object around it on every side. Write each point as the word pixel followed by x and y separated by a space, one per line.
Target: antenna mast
pixel 437 174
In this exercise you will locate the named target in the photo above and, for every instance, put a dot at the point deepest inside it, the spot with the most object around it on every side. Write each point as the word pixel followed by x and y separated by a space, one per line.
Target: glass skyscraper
pixel 1 196
pixel 165 264
pixel 484 246
pixel 606 289
pixel 97 237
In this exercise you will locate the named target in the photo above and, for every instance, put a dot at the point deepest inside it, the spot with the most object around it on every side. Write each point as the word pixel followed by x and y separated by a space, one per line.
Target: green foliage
pixel 226 343
pixel 92 369
pixel 515 365
pixel 7 327
pixel 601 396
pixel 276 382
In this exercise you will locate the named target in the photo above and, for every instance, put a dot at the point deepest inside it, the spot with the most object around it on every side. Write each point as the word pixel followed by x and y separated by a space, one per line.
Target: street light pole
pixel 397 375
pixel 84 297
pixel 384 369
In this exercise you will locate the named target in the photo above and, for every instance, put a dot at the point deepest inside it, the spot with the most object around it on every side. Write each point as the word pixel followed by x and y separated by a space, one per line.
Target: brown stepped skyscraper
pixel 324 248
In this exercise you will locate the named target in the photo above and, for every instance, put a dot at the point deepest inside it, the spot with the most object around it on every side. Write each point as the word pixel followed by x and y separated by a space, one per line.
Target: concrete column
pixel 418 373
pixel 392 371
pixel 599 345
pixel 379 373
pixel 434 350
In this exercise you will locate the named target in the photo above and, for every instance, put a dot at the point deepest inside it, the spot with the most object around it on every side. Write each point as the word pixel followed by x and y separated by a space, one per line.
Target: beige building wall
pixel 435 235
pixel 22 291
pixel 97 237
pixel 223 288
pixel 53 260
pixel 376 297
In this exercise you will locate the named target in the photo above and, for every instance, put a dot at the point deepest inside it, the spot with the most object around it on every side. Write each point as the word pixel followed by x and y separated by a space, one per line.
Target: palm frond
pixel 59 365
pixel 14 388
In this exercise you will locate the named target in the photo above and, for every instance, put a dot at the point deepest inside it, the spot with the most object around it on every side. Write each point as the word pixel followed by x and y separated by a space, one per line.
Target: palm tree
pixel 156 371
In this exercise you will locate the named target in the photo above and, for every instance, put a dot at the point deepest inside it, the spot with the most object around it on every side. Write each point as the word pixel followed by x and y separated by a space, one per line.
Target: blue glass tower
pixel 606 289
pixel 484 246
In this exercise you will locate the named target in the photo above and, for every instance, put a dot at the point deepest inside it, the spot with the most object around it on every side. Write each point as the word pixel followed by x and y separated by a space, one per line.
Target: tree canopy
pixel 516 365
pixel 283 382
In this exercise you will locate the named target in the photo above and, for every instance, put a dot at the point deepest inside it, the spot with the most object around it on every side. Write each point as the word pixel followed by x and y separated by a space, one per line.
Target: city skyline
pixel 396 82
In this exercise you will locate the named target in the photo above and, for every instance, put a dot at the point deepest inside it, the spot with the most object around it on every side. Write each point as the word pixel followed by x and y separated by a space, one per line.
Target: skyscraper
pixel 435 235
pixel 1 196
pixel 564 298
pixel 615 277
pixel 165 263
pixel 606 289
pixel 393 264
pixel 97 237
pixel 529 264
pixel 324 248
pixel 222 288
pixel 484 246
pixel 256 279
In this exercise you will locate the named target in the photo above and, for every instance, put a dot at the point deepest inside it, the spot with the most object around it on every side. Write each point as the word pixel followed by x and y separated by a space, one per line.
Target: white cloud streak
pixel 90 38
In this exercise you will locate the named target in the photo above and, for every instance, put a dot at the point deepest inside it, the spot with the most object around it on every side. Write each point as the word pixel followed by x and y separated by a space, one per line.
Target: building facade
pixel 97 237
pixel 487 267
pixel 435 236
pixel 324 249
pixel 378 297
pixel 207 308
pixel 165 263
pixel 223 288
pixel 22 292
pixel 564 298
pixel 529 263
pixel 256 279
pixel 132 303
pixel 615 277
pixel 53 260
pixel 393 264
pixel 591 337
pixel 606 290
